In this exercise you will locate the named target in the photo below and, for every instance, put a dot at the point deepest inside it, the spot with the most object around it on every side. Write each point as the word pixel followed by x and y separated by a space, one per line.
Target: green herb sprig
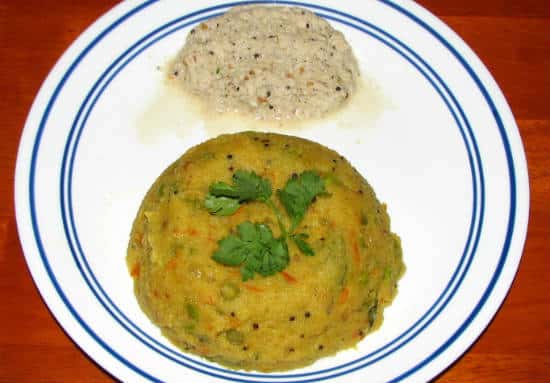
pixel 254 248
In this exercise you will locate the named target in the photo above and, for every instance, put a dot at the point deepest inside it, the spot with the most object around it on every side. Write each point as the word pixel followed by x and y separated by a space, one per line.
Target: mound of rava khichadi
pixel 263 252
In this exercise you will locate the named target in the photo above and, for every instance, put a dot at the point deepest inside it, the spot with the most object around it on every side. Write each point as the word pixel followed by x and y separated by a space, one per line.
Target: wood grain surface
pixel 511 37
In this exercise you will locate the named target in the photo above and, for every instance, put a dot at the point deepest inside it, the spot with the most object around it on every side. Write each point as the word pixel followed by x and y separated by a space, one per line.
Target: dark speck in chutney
pixel 229 156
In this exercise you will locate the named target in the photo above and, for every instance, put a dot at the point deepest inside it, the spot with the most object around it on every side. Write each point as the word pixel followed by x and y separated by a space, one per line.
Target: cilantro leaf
pixel 247 273
pixel 221 205
pixel 254 249
pixel 298 194
pixel 247 186
pixel 299 240
pixel 231 251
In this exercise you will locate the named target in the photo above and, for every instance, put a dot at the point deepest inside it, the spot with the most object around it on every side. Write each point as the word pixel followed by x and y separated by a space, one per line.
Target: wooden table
pixel 511 37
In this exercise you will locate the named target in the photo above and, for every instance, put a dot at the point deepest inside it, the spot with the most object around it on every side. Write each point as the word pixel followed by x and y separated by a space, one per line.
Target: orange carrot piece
pixel 289 278
pixel 355 248
pixel 203 350
pixel 234 322
pixel 171 265
pixel 235 272
pixel 253 288
pixel 135 270
pixel 186 165
pixel 356 253
pixel 138 238
pixel 344 295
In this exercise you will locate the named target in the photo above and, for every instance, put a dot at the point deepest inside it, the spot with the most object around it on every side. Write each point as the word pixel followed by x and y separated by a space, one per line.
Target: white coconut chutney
pixel 271 62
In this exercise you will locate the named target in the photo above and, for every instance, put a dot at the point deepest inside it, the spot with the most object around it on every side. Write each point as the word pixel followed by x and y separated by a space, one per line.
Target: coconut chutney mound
pixel 263 252
pixel 271 62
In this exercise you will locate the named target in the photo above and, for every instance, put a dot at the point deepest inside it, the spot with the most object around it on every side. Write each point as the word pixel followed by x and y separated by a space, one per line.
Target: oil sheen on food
pixel 316 306
pixel 269 62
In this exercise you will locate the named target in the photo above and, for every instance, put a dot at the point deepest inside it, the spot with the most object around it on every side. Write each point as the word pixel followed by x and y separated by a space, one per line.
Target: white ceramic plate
pixel 440 146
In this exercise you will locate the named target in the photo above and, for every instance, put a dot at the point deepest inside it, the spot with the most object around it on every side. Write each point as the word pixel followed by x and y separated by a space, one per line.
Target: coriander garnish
pixel 298 193
pixel 254 248
pixel 224 199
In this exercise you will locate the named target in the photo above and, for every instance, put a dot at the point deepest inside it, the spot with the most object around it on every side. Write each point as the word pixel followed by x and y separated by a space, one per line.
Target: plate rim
pixel 180 358
pixel 498 94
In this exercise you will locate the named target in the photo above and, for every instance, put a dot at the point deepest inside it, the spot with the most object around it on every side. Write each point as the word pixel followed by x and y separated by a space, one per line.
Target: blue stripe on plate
pixel 87 105
pixel 446 44
pixel 170 351
pixel 513 197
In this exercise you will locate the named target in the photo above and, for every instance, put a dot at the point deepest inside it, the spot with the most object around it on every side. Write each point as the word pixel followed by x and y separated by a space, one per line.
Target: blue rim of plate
pixel 70 227
pixel 80 258
pixel 445 43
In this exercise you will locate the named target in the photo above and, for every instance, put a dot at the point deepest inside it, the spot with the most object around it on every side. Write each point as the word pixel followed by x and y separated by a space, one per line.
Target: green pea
pixel 388 272
pixel 161 190
pixel 229 291
pixel 331 179
pixel 192 311
pixel 234 337
pixel 364 219
pixel 373 313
